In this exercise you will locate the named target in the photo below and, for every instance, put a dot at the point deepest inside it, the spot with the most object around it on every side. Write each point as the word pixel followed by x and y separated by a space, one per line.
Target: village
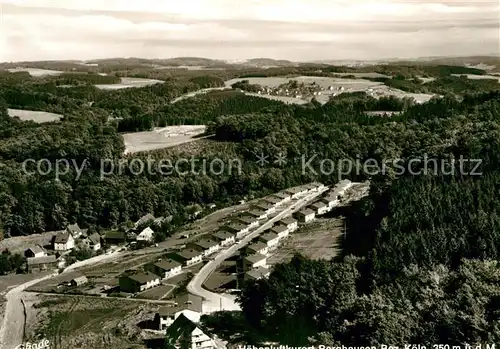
pixel 160 272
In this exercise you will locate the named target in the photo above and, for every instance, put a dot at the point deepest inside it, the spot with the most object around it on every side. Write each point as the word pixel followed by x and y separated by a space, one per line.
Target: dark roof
pixel 184 302
pixel 142 278
pixel 318 204
pixel 268 236
pixel 254 258
pixel 294 190
pixel 188 254
pixel 181 327
pixel 272 200
pixel 258 273
pixel 256 213
pixel 264 205
pixel 279 228
pixel 80 279
pixel 257 246
pixel 305 212
pixel 62 238
pixel 246 220
pixel 41 260
pixel 167 264
pixel 235 227
pixel 288 220
pixel 115 235
pixel 222 235
pixel 205 243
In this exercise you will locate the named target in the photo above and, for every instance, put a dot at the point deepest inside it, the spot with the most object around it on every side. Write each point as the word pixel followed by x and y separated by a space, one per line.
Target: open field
pixel 35 71
pixel 377 89
pixel 128 83
pixel 159 138
pixel 72 322
pixel 480 77
pixel 316 240
pixel 36 116
pixel 18 244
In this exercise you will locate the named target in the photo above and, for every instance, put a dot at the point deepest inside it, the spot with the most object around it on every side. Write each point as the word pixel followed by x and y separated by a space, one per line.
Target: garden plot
pixel 36 116
pixel 161 138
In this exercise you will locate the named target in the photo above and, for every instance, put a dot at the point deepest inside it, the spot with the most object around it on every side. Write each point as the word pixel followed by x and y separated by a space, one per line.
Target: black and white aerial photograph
pixel 249 174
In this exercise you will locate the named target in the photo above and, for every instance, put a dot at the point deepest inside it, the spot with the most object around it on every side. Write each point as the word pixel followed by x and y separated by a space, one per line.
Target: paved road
pixel 214 301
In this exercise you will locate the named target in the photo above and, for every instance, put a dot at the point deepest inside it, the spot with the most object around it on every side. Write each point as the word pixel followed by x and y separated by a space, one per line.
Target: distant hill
pixel 269 62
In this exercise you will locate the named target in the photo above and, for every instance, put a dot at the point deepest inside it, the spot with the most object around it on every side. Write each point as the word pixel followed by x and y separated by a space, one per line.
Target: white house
pixel 138 282
pixel 167 268
pixel 257 247
pixel 273 200
pixel 319 207
pixel 290 223
pixel 256 274
pixel 237 229
pixel 267 207
pixel 64 241
pixel 254 261
pixel 330 201
pixel 249 221
pixel 270 239
pixel 189 256
pixel 75 230
pixel 283 197
pixel 224 237
pixel 146 235
pixel 94 242
pixel 35 252
pixel 205 246
pixel 184 333
pixel 281 230
pixel 188 305
pixel 257 214
pixel 296 192
pixel 306 215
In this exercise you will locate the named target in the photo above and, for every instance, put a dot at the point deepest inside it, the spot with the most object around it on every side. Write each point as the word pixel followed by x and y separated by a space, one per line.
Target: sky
pixel 298 30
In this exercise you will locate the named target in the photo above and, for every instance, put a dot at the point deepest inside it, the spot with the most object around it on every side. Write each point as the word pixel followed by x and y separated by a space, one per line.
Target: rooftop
pixel 142 278
pixel 305 212
pixel 257 246
pixel 41 260
pixel 167 264
pixel 281 195
pixel 222 235
pixel 62 237
pixel 268 236
pixel 288 220
pixel 272 200
pixel 318 204
pixel 144 219
pixel 235 227
pixel 188 254
pixel 185 302
pixel 258 273
pixel 279 228
pixel 256 213
pixel 36 249
pixel 264 205
pixel 206 243
pixel 246 220
pixel 95 238
pixel 255 258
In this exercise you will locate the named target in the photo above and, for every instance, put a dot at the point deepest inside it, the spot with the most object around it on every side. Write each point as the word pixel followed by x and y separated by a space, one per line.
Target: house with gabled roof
pixel 290 223
pixel 148 218
pixel 254 261
pixel 75 230
pixel 249 221
pixel 138 282
pixel 206 246
pixel 224 237
pixel 35 251
pixel 36 264
pixel 267 207
pixel 166 268
pixel 319 207
pixel 280 230
pixel 188 305
pixel 238 229
pixel 64 241
pixel 271 239
pixel 184 334
pixel 256 247
pixel 257 274
pixel 305 215
pixel 257 214
pixel 147 234
pixel 188 257
pixel 93 241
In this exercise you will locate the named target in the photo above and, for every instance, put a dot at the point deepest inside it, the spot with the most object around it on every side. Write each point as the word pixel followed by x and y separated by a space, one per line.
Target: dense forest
pixel 418 264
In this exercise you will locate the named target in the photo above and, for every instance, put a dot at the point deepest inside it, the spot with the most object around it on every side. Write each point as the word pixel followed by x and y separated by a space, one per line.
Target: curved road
pixel 214 301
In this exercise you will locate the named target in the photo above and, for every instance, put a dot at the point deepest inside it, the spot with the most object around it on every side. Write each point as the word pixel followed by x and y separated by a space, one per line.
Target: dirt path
pixel 12 330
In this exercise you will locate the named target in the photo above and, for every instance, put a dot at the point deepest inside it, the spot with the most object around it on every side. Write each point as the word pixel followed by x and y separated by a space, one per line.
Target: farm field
pixel 161 138
pixel 316 240
pixel 480 77
pixel 36 116
pixel 76 322
pixel 35 71
pixel 129 82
